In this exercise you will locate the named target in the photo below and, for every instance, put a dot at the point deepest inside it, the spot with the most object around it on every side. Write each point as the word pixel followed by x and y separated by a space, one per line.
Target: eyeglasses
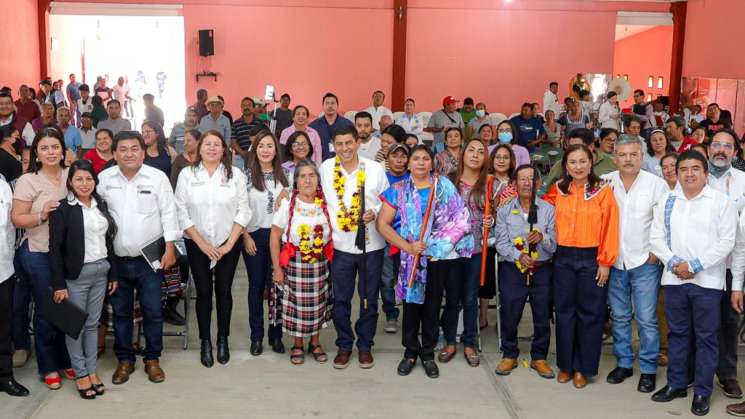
pixel 718 145
pixel 299 145
pixel 502 158
pixel 148 131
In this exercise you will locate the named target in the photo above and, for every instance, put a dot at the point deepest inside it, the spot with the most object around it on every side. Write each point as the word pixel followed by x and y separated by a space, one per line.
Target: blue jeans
pixel 391 265
pixel 344 271
pixel 51 352
pixel 259 268
pixel 136 274
pixel 21 302
pixel 462 292
pixel 692 310
pixel 634 292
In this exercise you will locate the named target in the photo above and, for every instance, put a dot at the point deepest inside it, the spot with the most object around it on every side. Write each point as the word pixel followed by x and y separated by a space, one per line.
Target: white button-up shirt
pixel 94 232
pixel 551 102
pixel 143 208
pixel 375 183
pixel 732 184
pixel 378 113
pixel 7 232
pixel 413 125
pixel 700 231
pixel 737 258
pixel 635 214
pixel 212 204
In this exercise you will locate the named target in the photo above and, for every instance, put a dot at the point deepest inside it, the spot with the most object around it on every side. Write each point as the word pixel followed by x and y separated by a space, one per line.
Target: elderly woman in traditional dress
pixel 301 264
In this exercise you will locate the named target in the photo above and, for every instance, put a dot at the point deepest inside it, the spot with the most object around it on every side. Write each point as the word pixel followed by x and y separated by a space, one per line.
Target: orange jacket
pixel 587 219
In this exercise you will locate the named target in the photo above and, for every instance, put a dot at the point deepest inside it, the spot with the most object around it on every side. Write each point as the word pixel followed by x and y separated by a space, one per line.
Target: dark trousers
pixel 344 271
pixel 462 292
pixel 727 369
pixel 259 268
pixel 51 350
pixel 223 273
pixel 425 316
pixel 691 309
pixel 581 308
pixel 513 294
pixel 6 313
pixel 21 303
pixel 136 274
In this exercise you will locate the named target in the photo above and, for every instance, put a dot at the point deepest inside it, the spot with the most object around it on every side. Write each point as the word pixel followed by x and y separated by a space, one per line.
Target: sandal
pixel 319 356
pixel 85 393
pixel 473 359
pixel 445 356
pixel 53 383
pixel 297 355
pixel 100 389
pixel 69 374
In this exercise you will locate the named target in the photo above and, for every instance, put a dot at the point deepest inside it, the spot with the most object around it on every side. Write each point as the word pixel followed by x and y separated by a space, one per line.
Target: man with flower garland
pixel 341 180
pixel 523 272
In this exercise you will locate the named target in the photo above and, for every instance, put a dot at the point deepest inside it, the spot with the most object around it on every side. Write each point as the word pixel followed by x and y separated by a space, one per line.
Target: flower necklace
pixel 348 218
pixel 311 248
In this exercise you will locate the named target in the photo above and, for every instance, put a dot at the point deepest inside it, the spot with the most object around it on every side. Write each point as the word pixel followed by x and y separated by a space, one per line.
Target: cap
pixel 86 115
pixel 448 100
pixel 398 146
pixel 213 99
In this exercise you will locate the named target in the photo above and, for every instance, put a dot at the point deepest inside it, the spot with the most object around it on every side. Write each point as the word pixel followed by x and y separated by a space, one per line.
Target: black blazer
pixel 67 245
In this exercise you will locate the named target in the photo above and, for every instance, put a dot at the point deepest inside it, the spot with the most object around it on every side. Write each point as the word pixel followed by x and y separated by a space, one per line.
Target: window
pixel 650 82
pixel 660 82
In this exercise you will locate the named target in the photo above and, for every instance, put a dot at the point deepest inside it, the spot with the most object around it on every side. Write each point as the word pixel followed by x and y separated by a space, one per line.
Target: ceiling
pixel 624 31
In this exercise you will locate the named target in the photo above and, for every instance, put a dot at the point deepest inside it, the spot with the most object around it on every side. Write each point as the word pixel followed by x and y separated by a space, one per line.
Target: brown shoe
pixel 542 368
pixel 662 359
pixel 564 376
pixel 737 409
pixel 579 380
pixel 366 360
pixel 121 375
pixel 341 360
pixel 506 365
pixel 154 373
pixel 445 355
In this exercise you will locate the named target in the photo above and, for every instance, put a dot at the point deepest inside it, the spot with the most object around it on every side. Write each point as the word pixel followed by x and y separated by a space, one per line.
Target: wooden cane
pixel 425 222
pixel 485 232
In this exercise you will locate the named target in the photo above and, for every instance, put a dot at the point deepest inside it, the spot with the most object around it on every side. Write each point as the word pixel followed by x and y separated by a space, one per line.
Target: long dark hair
pixel 515 132
pixel 566 179
pixel 254 166
pixel 48 132
pixel 291 140
pixel 162 140
pixel 493 156
pixel 225 159
pixel 668 147
pixel 86 166
pixel 477 193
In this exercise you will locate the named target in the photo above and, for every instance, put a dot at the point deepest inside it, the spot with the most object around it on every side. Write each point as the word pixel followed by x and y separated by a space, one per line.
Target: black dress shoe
pixel 618 375
pixel 405 366
pixel 277 346
pixel 700 405
pixel 172 316
pixel 731 388
pixel 647 383
pixel 205 355
pixel 223 352
pixel 430 368
pixel 13 388
pixel 256 348
pixel 667 394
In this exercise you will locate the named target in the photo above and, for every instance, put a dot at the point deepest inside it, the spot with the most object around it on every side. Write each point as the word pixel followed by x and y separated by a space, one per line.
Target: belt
pixel 131 258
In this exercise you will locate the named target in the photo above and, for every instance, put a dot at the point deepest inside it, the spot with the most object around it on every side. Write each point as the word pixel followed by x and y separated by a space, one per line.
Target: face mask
pixel 505 137
pixel 480 113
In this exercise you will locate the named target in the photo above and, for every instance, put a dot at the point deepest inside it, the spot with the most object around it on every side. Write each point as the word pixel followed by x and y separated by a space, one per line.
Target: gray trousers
pixel 87 292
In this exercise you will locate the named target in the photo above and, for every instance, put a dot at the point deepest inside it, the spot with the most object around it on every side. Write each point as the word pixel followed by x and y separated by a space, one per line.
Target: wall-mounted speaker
pixel 206 42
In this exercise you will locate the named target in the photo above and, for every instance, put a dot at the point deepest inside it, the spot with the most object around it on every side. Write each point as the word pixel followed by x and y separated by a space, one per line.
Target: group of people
pixel 321 209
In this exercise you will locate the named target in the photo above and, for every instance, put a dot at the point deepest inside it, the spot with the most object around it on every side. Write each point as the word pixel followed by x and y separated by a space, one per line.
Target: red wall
pixel 714 33
pixel 642 55
pixel 19 54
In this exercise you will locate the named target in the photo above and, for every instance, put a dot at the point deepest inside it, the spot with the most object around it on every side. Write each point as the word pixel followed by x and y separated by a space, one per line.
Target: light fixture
pixel 650 82
pixel 660 82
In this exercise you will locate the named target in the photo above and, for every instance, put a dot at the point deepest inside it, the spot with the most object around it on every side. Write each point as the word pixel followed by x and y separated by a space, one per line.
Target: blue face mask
pixel 480 113
pixel 505 137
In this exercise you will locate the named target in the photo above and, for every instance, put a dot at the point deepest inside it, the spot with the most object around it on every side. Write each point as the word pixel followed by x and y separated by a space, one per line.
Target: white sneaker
pixel 391 326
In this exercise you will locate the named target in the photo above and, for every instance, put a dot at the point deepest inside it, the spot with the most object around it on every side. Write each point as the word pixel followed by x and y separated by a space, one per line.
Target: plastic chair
pixel 495 118
pixel 396 115
pixel 350 115
pixel 425 116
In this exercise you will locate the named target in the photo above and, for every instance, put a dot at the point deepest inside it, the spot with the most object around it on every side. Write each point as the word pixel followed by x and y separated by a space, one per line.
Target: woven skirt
pixel 303 305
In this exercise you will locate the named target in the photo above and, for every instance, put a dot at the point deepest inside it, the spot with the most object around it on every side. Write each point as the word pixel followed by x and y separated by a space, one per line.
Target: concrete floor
pixel 268 386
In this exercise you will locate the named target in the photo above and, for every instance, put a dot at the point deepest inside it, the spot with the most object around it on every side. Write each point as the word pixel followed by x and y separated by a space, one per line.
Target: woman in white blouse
pixel 609 114
pixel 410 121
pixel 212 205
pixel 265 181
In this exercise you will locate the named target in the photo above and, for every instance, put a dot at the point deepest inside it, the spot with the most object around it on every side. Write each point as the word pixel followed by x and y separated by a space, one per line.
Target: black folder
pixel 65 316
pixel 153 252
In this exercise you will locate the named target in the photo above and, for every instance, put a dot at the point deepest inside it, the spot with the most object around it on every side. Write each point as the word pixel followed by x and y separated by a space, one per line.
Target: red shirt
pixel 29 110
pixel 96 160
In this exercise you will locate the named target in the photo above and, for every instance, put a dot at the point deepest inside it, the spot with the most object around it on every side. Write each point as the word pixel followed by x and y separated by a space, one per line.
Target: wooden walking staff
pixel 485 238
pixel 425 222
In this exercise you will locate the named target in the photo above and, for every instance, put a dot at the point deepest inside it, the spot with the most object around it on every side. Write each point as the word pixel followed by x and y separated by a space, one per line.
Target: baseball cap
pixel 398 146
pixel 448 100
pixel 86 115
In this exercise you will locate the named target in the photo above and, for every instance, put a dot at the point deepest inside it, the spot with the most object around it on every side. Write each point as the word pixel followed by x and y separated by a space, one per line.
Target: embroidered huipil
pixel 587 218
pixel 447 233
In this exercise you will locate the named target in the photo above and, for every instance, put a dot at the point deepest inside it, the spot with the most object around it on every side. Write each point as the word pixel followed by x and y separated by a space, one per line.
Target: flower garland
pixel 521 247
pixel 348 218
pixel 310 252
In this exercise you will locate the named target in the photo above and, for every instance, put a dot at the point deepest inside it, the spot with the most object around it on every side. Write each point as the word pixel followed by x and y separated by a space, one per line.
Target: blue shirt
pixel 221 125
pixel 72 139
pixel 528 130
pixel 326 132
pixel 390 196
pixel 393 178
pixel 72 91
